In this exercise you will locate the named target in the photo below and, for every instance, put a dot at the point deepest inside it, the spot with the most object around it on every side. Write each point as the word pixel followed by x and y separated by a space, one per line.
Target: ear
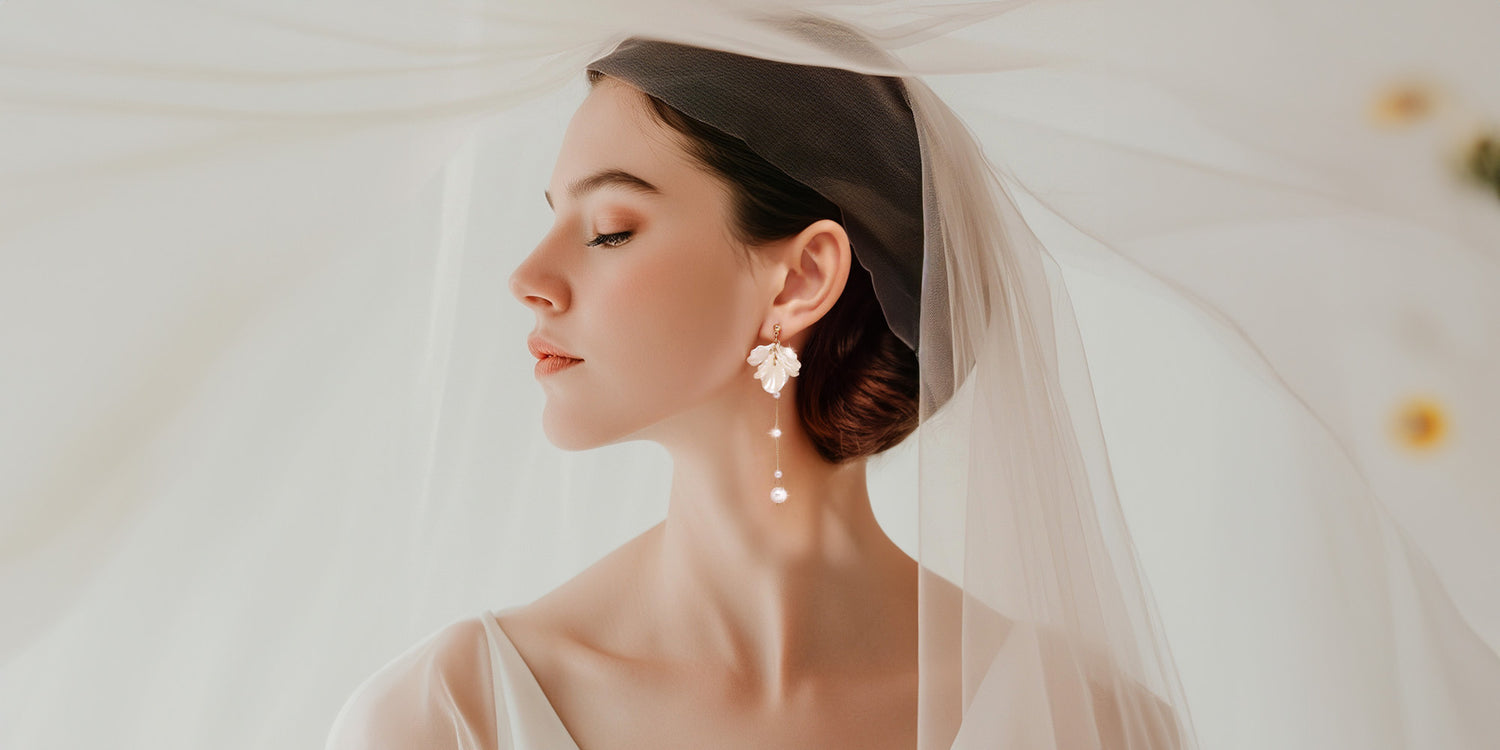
pixel 813 271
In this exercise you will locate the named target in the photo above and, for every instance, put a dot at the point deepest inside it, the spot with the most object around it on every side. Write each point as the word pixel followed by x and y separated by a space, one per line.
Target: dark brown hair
pixel 858 390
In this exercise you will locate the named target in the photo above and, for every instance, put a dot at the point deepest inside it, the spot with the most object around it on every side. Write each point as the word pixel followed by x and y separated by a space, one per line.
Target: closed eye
pixel 615 239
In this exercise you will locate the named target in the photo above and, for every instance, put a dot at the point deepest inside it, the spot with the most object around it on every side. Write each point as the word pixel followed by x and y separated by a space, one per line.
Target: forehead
pixel 615 129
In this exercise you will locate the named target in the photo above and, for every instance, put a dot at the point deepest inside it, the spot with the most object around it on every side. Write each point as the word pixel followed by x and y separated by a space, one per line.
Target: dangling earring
pixel 777 365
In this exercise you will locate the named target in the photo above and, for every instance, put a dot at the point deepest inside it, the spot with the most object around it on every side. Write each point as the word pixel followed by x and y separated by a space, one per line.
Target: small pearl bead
pixel 776 432
pixel 776 394
pixel 778 473
pixel 778 495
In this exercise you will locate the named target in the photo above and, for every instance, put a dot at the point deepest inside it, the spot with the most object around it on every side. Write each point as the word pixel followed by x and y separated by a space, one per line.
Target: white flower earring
pixel 778 364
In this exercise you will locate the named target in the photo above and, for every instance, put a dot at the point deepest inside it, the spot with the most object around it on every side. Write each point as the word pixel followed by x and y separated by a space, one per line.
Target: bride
pixel 692 293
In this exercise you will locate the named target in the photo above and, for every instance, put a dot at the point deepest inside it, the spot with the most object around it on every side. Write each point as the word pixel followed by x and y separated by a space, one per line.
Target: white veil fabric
pixel 268 419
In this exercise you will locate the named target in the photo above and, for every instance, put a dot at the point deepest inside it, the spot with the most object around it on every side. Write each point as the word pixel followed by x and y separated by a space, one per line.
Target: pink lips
pixel 550 357
pixel 549 365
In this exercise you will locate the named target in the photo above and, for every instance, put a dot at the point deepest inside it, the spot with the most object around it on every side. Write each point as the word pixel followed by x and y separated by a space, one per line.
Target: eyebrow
pixel 606 178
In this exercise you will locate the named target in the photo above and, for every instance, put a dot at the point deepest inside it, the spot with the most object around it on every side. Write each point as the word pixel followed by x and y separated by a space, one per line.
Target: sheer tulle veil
pixel 270 417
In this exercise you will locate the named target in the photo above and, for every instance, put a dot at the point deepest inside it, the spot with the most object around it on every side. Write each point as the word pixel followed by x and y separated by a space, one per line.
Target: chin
pixel 567 439
pixel 576 432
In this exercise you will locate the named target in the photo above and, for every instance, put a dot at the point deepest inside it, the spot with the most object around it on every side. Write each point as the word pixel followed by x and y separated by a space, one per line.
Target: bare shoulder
pixel 582 642
pixel 1132 716
pixel 956 630
pixel 438 694
pixel 596 610
pixel 959 627
pixel 1092 700
pixel 1125 712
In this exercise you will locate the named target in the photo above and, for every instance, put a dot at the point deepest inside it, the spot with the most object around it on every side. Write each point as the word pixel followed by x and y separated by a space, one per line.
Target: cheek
pixel 684 319
pixel 663 332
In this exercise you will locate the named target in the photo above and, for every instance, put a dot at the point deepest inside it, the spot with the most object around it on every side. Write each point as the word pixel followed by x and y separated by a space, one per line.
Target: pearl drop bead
pixel 778 495
pixel 776 432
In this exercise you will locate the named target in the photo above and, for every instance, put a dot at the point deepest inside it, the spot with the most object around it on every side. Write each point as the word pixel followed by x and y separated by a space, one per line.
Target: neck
pixel 777 591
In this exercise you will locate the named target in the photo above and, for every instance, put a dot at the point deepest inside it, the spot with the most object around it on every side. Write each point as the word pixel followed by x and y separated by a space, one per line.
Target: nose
pixel 538 284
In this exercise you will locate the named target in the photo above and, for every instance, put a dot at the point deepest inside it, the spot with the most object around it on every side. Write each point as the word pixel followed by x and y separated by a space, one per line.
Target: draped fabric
pixel 464 686
pixel 1207 338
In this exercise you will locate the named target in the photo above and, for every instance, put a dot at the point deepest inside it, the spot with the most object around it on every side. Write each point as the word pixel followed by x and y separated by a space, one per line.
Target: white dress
pixel 465 687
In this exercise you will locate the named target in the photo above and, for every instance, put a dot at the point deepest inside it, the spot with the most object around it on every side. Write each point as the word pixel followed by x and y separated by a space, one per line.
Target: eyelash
pixel 613 240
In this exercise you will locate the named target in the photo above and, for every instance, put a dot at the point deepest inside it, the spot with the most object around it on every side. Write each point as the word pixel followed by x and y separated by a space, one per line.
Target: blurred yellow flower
pixel 1420 424
pixel 1403 104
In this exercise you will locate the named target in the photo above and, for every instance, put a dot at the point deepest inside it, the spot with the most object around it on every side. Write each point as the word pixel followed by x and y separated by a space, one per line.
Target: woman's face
pixel 640 278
